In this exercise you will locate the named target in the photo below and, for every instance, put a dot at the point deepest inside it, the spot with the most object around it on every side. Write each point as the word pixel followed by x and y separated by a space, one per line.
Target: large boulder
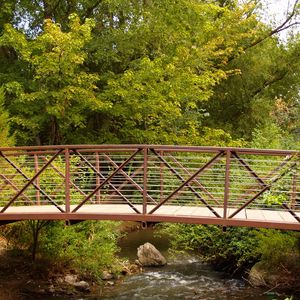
pixel 149 256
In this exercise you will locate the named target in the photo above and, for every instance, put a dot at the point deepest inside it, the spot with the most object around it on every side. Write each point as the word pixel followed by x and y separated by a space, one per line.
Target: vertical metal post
pixel 294 189
pixel 67 179
pixel 227 182
pixel 37 181
pixel 97 178
pixel 161 171
pixel 145 179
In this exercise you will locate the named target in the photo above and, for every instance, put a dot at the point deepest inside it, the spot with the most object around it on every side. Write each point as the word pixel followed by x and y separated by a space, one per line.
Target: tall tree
pixel 159 66
pixel 58 90
pixel 267 72
pixel 5 138
pixel 142 71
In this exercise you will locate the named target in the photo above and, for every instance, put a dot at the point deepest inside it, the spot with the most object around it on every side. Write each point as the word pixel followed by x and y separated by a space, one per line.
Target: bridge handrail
pixel 226 181
pixel 149 146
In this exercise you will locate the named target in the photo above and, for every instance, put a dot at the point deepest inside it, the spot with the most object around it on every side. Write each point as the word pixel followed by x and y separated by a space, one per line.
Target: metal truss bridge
pixel 151 183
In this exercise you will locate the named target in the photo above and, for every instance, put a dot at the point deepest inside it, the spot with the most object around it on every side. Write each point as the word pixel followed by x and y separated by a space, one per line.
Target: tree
pixel 148 72
pixel 156 83
pixel 58 90
pixel 267 72
pixel 5 138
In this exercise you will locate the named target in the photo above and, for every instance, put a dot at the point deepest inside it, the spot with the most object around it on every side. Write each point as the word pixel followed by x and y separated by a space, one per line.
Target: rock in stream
pixel 149 256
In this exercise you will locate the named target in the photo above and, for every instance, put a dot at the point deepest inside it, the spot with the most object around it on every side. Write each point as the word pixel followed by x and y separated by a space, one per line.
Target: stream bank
pixel 184 277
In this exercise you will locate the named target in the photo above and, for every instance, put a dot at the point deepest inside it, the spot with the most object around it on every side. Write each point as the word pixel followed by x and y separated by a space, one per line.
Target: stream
pixel 184 277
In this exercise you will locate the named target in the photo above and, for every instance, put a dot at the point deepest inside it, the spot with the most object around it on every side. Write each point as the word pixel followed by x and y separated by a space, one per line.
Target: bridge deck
pixel 169 213
pixel 151 183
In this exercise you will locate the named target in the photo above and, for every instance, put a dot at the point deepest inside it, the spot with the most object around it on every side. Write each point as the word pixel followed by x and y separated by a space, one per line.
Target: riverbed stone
pixel 261 276
pixel 106 275
pixel 71 279
pixel 51 289
pixel 82 286
pixel 149 256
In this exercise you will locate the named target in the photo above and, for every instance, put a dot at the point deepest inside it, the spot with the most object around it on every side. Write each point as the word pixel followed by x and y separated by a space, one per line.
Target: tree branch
pixel 279 28
pixel 269 82
pixel 290 25
pixel 292 14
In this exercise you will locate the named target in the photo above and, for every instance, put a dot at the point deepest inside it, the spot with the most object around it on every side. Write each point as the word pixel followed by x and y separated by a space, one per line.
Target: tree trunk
pixel 36 227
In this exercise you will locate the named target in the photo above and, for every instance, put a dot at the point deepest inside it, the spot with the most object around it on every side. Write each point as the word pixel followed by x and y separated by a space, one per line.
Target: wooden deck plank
pixel 202 211
pixel 240 215
pixel 286 216
pixel 271 215
pixel 184 212
pixel 254 214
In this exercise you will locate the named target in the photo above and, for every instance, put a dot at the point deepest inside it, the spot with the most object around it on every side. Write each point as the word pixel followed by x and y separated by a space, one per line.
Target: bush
pixel 233 250
pixel 89 246
pixel 278 249
pixel 237 249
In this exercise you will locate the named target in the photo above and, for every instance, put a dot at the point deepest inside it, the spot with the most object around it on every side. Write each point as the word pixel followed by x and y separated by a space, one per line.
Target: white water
pixel 183 278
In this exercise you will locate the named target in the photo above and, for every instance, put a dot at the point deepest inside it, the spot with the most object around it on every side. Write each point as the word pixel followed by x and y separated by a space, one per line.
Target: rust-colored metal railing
pixel 209 185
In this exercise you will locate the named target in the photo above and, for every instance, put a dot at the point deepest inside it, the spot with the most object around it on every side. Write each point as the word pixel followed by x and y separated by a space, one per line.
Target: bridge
pixel 151 183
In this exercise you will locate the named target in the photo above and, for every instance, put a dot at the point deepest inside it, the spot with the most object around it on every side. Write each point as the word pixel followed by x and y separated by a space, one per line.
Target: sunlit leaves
pixel 60 89
pixel 172 69
pixel 159 71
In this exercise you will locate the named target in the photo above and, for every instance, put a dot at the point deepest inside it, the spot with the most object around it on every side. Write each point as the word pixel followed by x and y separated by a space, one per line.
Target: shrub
pixel 233 250
pixel 89 246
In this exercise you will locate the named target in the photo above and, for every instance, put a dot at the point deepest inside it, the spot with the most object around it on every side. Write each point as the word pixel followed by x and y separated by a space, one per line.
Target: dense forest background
pixel 194 72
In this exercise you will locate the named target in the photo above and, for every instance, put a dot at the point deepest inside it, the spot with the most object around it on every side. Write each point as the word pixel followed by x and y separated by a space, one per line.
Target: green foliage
pixel 156 96
pixel 233 250
pixel 269 199
pixel 19 236
pixel 278 248
pixel 5 138
pixel 58 89
pixel 271 136
pixel 237 249
pixel 249 100
pixel 89 246
pixel 126 71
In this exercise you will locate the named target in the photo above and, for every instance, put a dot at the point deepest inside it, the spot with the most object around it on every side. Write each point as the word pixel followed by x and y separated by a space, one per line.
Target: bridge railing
pixel 150 179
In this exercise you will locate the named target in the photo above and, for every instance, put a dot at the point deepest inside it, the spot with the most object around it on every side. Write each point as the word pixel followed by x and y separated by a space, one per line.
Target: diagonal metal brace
pixel 266 188
pixel 195 180
pixel 285 206
pixel 186 182
pixel 248 168
pixel 128 178
pixel 9 182
pixel 106 180
pixel 31 181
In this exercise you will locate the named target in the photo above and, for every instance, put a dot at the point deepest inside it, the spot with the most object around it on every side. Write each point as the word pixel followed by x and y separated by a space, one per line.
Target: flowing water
pixel 186 278
pixel 183 278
